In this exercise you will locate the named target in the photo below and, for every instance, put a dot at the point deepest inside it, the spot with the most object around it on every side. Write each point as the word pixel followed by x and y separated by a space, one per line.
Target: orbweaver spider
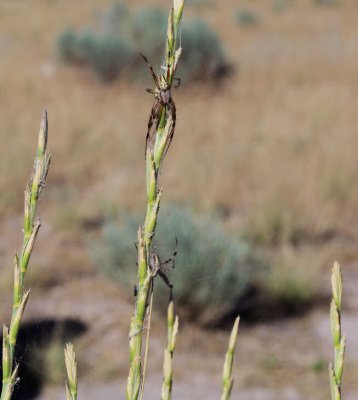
pixel 158 267
pixel 163 98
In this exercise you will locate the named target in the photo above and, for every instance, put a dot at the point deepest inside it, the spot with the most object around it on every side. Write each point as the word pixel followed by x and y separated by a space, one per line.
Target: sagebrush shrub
pixel 120 34
pixel 109 55
pixel 326 2
pixel 246 17
pixel 204 57
pixel 212 269
pixel 67 46
pixel 148 29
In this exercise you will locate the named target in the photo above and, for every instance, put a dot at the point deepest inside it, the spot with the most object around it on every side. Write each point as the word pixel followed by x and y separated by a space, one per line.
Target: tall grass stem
pixel 154 158
pixel 173 326
pixel 339 340
pixel 21 260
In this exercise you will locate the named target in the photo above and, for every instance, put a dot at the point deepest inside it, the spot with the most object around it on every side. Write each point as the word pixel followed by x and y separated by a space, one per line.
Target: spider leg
pixel 165 279
pixel 154 75
pixel 169 260
pixel 172 113
pixel 150 91
pixel 152 118
pixel 172 257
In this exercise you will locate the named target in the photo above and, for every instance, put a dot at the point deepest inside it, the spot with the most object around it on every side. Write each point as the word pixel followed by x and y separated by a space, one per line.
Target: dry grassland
pixel 274 147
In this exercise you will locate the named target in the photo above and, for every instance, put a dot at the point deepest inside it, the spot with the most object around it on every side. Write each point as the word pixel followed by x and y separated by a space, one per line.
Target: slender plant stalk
pixel 147 344
pixel 228 381
pixel 339 340
pixel 31 228
pixel 71 368
pixel 173 325
pixel 154 158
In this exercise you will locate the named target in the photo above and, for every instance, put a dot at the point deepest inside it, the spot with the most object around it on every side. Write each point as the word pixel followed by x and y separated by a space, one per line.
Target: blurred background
pixel 260 189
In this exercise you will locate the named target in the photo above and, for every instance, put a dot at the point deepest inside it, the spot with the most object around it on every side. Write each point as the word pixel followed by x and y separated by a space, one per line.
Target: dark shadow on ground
pixel 256 307
pixel 33 339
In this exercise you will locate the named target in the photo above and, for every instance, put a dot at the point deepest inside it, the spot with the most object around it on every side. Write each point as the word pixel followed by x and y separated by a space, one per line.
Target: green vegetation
pixel 21 261
pixel 149 265
pixel 173 326
pixel 247 17
pixel 339 340
pixel 326 2
pixel 318 366
pixel 212 269
pixel 204 57
pixel 282 5
pixel 201 240
pixel 228 381
pixel 274 224
pixel 289 289
pixel 106 54
pixel 71 369
pixel 121 34
pixel 270 363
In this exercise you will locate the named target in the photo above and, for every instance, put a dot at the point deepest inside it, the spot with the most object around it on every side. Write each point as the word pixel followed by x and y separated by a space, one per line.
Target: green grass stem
pixel 154 158
pixel 339 340
pixel 228 381
pixel 71 369
pixel 31 229
pixel 173 326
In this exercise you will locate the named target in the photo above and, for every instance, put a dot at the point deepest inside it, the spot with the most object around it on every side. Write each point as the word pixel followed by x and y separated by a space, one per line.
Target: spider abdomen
pixel 165 96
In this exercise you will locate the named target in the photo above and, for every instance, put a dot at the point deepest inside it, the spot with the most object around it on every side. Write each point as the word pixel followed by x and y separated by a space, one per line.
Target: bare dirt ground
pixel 277 360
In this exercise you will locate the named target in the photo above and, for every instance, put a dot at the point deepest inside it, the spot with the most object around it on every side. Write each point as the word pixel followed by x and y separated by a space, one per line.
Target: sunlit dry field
pixel 272 148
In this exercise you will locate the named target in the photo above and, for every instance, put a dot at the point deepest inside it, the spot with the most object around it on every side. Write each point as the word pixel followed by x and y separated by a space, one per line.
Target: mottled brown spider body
pixel 163 98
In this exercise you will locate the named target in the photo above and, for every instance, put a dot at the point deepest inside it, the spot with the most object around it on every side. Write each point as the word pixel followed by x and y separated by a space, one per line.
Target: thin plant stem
pixel 71 369
pixel 173 326
pixel 21 260
pixel 154 158
pixel 227 380
pixel 339 340
pixel 149 321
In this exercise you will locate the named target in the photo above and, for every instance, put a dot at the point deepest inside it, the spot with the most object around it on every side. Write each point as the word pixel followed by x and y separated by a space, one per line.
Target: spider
pixel 159 268
pixel 163 98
